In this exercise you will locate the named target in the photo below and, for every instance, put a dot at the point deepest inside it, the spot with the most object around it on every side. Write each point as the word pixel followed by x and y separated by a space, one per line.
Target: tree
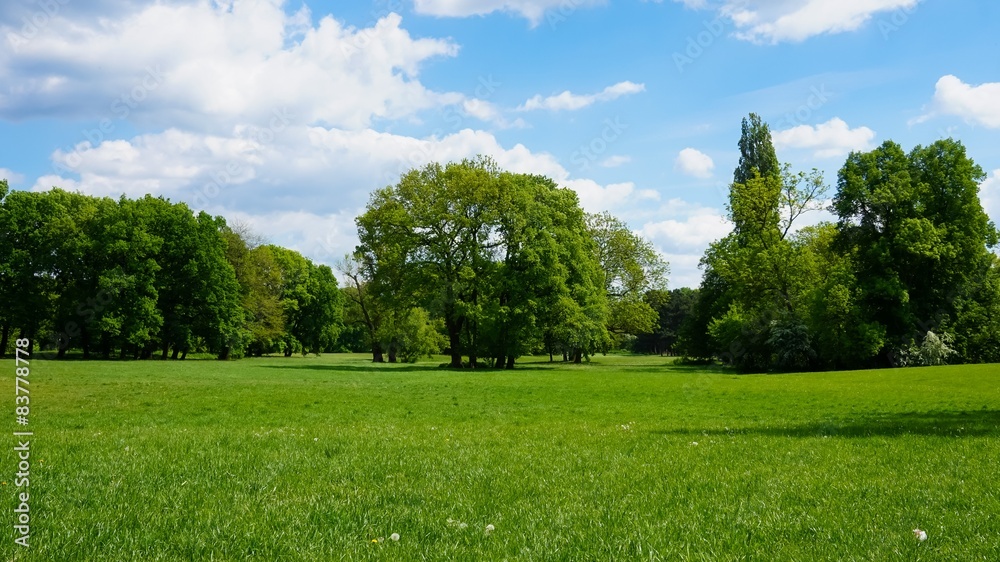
pixel 631 267
pixel 757 281
pixel 362 307
pixel 312 303
pixel 917 233
pixel 259 278
pixel 502 259
pixel 673 309
pixel 757 156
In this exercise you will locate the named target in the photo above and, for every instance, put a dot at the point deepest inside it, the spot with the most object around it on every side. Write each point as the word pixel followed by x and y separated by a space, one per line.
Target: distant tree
pixel 673 309
pixel 632 267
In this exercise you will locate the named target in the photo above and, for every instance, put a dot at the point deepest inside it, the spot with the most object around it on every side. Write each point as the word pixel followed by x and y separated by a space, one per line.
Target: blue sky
pixel 285 115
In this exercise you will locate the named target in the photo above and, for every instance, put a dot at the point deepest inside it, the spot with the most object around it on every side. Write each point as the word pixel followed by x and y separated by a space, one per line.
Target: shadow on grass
pixel 390 368
pixel 975 423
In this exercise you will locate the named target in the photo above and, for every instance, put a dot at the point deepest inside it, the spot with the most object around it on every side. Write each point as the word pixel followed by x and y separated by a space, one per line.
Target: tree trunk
pixel 85 342
pixel 224 354
pixel 377 353
pixel 31 343
pixel 498 362
pixel 577 356
pixel 565 357
pixel 184 354
pixel 61 354
pixel 454 338
pixel 177 350
pixel 510 361
pixel 392 354
pixel 166 349
pixel 4 339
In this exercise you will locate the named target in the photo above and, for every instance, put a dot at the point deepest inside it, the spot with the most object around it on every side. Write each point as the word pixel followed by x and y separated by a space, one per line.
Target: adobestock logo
pixel 591 151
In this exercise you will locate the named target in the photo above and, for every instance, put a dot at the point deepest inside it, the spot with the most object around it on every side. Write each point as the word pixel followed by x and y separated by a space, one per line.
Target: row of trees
pixel 904 275
pixel 138 277
pixel 506 265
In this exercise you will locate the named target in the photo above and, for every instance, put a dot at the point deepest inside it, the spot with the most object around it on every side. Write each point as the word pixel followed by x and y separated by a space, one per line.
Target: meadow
pixel 624 458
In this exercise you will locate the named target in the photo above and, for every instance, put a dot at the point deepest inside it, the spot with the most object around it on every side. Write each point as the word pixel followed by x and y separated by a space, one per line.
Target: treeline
pixel 905 275
pixel 133 278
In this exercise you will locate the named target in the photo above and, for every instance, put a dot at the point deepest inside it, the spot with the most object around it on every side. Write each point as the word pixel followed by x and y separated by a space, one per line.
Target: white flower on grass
pixel 694 443
pixel 921 535
pixel 489 529
pixel 394 536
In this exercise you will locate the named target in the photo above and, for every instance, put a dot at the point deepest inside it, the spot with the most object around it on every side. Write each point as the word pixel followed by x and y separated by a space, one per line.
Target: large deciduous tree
pixel 502 259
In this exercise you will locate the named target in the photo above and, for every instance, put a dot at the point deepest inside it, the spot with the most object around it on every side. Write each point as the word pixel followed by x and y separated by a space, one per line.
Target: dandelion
pixel 394 536
pixel 490 528
pixel 315 438
pixel 694 443
pixel 375 540
pixel 920 535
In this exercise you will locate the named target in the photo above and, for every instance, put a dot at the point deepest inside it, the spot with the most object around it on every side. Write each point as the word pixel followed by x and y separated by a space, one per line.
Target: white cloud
pixel 684 239
pixel 976 104
pixel 532 10
pixel 615 160
pixel 695 163
pixel 775 21
pixel 324 170
pixel 568 101
pixel 11 176
pixel 989 195
pixel 827 140
pixel 204 64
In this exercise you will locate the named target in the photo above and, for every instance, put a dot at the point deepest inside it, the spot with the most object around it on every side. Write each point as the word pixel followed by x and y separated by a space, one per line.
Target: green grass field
pixel 625 458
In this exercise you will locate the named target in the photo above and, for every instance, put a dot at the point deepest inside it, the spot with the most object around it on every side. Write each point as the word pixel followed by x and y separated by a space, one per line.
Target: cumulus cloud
pixel 322 169
pixel 11 176
pixel 532 10
pixel 975 104
pixel 684 238
pixel 769 21
pixel 695 163
pixel 189 64
pixel 826 140
pixel 989 194
pixel 568 101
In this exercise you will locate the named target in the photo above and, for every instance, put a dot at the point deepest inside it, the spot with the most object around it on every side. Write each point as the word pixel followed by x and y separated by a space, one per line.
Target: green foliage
pixel 757 156
pixel 146 275
pixel 631 268
pixel 503 259
pixel 918 237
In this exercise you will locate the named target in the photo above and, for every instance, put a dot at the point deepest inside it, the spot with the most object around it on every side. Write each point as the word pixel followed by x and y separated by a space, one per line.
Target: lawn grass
pixel 625 458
